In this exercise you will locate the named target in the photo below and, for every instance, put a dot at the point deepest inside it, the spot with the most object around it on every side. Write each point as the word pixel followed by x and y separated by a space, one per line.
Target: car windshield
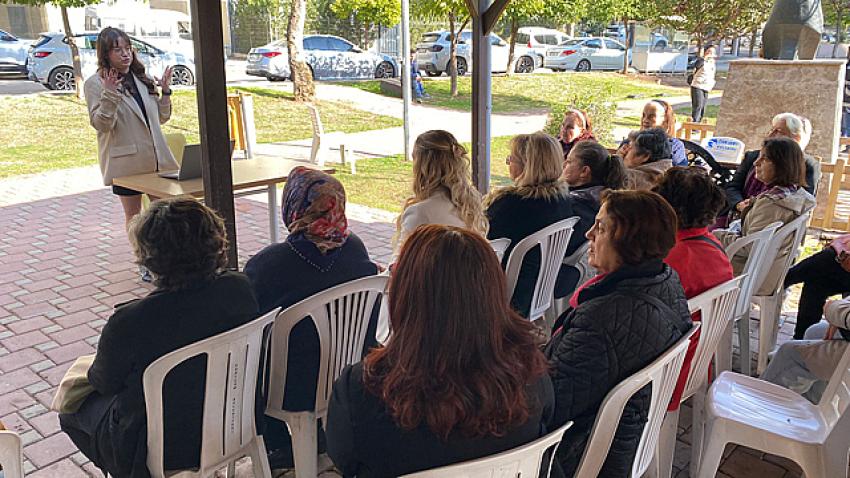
pixel 430 37
pixel 571 43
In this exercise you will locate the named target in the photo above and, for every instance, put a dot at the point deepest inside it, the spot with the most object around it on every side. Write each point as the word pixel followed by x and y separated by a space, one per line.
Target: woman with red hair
pixel 460 378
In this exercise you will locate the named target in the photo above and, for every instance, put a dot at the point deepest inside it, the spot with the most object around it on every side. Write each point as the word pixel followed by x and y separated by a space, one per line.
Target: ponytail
pixel 605 169
pixel 616 172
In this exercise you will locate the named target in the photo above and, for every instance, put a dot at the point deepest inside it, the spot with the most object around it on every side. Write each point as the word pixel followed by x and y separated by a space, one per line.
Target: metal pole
pixel 481 102
pixel 405 73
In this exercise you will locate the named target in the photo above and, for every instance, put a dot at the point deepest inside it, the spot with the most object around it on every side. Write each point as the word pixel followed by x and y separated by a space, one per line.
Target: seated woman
pixel 805 366
pixel 618 323
pixel 538 198
pixel 780 165
pixel 647 158
pixel 659 114
pixel 822 276
pixel 589 170
pixel 575 127
pixel 183 244
pixel 319 253
pixel 744 185
pixel 460 377
pixel 697 257
pixel 443 192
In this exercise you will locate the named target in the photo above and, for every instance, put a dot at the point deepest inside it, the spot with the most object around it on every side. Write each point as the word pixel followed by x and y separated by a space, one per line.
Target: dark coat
pixel 610 336
pixel 735 187
pixel 142 331
pixel 586 206
pixel 364 441
pixel 516 218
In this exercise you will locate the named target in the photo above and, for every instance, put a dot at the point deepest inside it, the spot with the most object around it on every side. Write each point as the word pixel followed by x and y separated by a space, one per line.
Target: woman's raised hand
pixel 111 79
pixel 165 81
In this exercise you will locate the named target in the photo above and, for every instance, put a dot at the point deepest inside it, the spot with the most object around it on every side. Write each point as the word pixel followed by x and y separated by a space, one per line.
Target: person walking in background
pixel 702 82
pixel 416 79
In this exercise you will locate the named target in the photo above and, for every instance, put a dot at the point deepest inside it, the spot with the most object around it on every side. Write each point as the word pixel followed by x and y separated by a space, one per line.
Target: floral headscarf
pixel 314 209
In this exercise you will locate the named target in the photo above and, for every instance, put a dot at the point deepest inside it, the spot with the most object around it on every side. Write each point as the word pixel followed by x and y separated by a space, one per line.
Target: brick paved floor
pixel 65 263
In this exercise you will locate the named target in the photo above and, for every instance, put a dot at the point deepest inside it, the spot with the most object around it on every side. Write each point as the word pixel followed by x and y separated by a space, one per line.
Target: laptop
pixel 190 166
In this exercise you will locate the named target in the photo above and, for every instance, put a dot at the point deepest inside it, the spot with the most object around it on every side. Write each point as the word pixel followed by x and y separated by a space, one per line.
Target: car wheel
pixel 384 70
pixel 62 79
pixel 433 73
pixel 583 65
pixel 461 66
pixel 180 75
pixel 275 78
pixel 525 64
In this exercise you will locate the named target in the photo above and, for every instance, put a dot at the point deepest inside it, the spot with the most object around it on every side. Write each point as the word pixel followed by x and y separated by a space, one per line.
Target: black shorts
pixel 122 191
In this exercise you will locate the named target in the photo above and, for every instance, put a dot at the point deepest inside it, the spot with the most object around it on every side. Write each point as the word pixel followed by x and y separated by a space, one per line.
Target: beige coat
pixel 763 211
pixel 125 145
pixel 643 177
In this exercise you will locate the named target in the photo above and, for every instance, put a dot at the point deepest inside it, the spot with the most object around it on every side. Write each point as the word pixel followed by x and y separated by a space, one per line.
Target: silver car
pixel 432 54
pixel 50 64
pixel 13 54
pixel 585 54
pixel 329 58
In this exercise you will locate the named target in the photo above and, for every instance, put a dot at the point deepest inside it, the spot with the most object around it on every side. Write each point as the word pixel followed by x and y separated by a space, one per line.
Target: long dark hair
pixel 605 169
pixel 107 40
pixel 459 358
pixel 789 164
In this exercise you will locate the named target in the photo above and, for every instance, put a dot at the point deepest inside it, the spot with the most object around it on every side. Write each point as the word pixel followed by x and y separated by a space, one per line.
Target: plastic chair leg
pixel 769 310
pixel 662 461
pixel 259 458
pixel 744 343
pixel 697 427
pixel 305 446
pixel 832 462
pixel 711 456
pixel 723 356
pixel 231 470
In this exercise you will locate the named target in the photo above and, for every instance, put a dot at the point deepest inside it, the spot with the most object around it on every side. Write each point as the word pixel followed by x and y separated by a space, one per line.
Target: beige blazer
pixel 125 145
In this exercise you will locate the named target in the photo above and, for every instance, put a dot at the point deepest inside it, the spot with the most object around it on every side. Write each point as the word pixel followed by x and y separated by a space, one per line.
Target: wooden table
pixel 248 176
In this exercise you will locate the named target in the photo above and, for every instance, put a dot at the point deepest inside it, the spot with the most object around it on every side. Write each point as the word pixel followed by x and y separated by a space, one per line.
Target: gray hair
pixel 799 127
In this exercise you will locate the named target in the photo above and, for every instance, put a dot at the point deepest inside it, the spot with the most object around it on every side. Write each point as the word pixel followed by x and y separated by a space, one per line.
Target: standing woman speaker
pixel 127 110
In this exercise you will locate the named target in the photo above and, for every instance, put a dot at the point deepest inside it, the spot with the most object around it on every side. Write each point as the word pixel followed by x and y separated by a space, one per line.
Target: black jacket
pixel 735 187
pixel 364 441
pixel 586 205
pixel 610 336
pixel 142 331
pixel 516 218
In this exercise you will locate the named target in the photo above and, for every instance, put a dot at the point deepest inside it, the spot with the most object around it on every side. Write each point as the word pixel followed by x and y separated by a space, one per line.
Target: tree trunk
pixel 628 45
pixel 75 53
pixel 514 28
pixel 753 39
pixel 302 77
pixel 452 55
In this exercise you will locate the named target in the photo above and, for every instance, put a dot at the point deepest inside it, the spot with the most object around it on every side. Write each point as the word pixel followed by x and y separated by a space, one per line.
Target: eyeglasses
pixel 120 50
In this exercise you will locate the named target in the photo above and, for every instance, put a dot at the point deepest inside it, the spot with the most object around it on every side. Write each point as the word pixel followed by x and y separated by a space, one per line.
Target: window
pixel 523 38
pixel 315 43
pixel 495 41
pixel 595 43
pixel 430 37
pixel 548 40
pixel 613 45
pixel 86 41
pixel 336 44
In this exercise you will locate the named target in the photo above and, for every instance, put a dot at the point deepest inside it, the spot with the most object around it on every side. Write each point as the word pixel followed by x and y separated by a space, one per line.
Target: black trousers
pixel 82 428
pixel 821 277
pixel 698 100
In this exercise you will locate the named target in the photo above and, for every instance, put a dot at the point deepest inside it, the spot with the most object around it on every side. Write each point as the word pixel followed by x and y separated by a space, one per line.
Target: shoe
pixel 419 100
pixel 146 274
pixel 426 96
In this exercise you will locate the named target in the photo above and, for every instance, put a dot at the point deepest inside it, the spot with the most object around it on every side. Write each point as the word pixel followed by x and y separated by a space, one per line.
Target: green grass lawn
pixel 385 182
pixel 529 92
pixel 49 132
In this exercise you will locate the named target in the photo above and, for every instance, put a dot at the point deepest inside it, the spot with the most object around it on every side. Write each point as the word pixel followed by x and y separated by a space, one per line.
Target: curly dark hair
pixel 180 241
pixel 655 143
pixel 693 195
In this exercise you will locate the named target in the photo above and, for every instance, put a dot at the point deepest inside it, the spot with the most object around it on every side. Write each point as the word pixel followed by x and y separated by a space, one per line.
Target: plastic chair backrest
pixel 793 231
pixel 759 243
pixel 500 246
pixel 233 362
pixel 836 397
pixel 553 241
pixel 724 148
pixel 315 120
pixel 11 456
pixel 522 462
pixel 717 308
pixel 663 373
pixel 341 315
pixel 579 260
pixel 176 142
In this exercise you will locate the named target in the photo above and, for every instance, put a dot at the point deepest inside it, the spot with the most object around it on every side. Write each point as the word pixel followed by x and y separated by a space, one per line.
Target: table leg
pixel 274 224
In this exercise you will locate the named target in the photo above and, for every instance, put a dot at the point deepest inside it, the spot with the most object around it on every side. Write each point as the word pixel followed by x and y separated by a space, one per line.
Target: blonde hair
pixel 440 164
pixel 542 160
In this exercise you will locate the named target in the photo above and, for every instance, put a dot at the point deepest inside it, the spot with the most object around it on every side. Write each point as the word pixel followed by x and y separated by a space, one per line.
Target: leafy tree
pixel 457 14
pixel 627 11
pixel 64 5
pixel 369 13
pixel 834 13
pixel 707 20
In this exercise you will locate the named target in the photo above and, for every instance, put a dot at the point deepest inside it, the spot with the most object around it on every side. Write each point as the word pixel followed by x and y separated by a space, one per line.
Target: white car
pixel 432 54
pixel 585 54
pixel 13 54
pixel 540 39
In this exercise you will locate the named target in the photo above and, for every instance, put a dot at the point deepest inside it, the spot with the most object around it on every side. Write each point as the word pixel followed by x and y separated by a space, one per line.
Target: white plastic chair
pixel 341 315
pixel 758 243
pixel 522 462
pixel 724 148
pixel 770 306
pixel 578 259
pixel 11 456
pixel 553 241
pixel 662 373
pixel 773 419
pixel 500 246
pixel 228 431
pixel 320 150
pixel 716 307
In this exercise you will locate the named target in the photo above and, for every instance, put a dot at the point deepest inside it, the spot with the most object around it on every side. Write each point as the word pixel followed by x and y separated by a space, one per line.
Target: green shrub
pixel 597 102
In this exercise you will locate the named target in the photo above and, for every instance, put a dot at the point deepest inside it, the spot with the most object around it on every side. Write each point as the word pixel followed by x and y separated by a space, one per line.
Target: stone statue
pixel 793 30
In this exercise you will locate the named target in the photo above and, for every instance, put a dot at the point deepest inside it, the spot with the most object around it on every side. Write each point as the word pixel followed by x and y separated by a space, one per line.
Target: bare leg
pixel 132 205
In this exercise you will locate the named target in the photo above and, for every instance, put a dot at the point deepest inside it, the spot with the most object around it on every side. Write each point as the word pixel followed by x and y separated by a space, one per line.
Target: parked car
pixel 329 58
pixel 49 61
pixel 539 39
pixel 657 41
pixel 432 54
pixel 585 54
pixel 13 54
